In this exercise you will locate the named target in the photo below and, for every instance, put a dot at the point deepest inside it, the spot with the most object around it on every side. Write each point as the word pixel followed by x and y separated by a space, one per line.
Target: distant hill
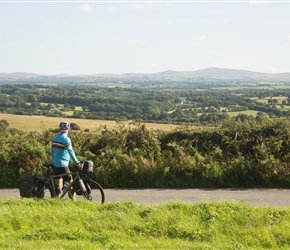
pixel 206 75
pixel 223 74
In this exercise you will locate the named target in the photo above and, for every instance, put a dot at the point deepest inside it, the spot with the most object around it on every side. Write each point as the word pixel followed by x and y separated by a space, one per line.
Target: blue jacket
pixel 62 151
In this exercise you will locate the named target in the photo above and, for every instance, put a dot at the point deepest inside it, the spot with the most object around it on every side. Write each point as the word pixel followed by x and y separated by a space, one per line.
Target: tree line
pixel 167 106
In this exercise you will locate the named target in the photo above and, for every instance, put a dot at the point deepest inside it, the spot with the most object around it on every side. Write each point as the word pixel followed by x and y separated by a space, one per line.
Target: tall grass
pixel 53 224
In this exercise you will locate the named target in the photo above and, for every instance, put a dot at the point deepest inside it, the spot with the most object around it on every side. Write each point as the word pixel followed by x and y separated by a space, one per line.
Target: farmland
pixel 39 123
pixel 170 104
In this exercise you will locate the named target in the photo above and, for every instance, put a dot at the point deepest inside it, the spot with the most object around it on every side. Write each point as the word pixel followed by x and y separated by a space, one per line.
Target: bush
pixel 74 126
pixel 240 154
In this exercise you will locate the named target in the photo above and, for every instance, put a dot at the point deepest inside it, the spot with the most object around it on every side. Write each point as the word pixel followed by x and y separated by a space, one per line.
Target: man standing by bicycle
pixel 61 153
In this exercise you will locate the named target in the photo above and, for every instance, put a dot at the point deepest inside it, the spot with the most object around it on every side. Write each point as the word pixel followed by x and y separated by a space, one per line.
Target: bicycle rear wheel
pixel 94 192
pixel 43 190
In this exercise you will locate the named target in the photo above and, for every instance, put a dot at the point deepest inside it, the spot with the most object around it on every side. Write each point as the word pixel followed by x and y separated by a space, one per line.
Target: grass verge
pixel 52 224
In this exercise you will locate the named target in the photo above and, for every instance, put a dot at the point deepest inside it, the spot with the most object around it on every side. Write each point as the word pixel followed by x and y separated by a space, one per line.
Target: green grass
pixel 246 87
pixel 71 112
pixel 246 112
pixel 68 113
pixel 232 114
pixel 259 87
pixel 53 224
pixel 77 108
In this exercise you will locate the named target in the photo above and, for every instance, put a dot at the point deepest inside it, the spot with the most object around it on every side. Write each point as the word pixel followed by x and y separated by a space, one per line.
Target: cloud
pixel 222 21
pixel 136 41
pixel 89 8
pixel 169 22
pixel 202 38
pixel 147 24
pixel 111 8
pixel 85 8
pixel 288 39
pixel 256 2
pixel 142 6
pixel 229 66
pixel 57 22
pixel 154 65
pixel 133 6
pixel 136 6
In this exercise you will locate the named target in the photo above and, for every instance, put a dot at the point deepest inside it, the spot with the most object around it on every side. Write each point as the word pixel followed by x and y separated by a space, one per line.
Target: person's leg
pixel 71 194
pixel 59 185
pixel 60 181
pixel 69 178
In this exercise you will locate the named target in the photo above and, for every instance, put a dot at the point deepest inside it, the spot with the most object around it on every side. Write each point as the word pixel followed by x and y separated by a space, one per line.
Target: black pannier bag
pixel 79 186
pixel 26 185
pixel 88 167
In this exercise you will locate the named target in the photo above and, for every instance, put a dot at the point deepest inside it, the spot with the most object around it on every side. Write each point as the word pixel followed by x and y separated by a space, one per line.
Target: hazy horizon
pixel 141 37
pixel 141 73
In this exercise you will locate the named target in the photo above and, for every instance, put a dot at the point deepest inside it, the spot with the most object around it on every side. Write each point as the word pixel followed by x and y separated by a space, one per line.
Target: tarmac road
pixel 259 197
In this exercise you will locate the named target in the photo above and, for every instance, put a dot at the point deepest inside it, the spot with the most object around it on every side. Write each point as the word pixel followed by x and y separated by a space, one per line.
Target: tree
pixel 261 116
pixel 74 126
pixel 85 108
pixel 4 124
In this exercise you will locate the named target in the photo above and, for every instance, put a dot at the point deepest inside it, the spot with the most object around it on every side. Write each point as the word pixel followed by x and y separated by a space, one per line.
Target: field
pixel 266 99
pixel 246 112
pixel 39 123
pixel 53 224
pixel 272 86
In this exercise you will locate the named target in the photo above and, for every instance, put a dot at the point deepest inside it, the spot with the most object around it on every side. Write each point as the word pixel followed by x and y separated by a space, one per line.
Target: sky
pixel 97 37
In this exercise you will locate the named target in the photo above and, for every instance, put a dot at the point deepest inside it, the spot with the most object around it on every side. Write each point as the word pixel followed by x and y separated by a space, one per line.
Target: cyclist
pixel 61 153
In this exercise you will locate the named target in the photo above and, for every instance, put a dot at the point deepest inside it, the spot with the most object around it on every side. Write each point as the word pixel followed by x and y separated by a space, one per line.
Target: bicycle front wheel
pixel 94 191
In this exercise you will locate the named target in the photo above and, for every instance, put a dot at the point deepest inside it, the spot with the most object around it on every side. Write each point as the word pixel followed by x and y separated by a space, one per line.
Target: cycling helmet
pixel 64 125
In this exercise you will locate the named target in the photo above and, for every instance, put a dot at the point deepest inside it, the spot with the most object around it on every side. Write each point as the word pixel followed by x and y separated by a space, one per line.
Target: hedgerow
pixel 237 154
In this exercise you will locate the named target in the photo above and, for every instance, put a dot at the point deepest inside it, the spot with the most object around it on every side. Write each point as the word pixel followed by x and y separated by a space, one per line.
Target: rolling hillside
pixel 209 74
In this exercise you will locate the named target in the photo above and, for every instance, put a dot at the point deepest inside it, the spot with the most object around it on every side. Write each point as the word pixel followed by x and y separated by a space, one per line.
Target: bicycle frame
pixel 64 192
pixel 51 181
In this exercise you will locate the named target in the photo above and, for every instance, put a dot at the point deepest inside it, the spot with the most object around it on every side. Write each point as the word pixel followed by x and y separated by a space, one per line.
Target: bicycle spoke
pixel 94 192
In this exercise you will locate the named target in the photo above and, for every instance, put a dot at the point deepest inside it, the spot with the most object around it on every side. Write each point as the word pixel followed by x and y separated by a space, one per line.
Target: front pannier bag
pixel 79 186
pixel 88 167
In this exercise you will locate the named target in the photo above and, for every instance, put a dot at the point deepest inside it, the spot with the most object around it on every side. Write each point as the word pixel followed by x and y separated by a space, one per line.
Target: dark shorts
pixel 62 170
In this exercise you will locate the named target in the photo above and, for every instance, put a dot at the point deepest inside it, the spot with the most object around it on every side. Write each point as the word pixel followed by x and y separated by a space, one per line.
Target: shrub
pixel 240 154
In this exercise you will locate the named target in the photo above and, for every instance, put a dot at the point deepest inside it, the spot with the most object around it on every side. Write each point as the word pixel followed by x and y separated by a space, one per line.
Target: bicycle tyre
pixel 43 190
pixel 94 191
